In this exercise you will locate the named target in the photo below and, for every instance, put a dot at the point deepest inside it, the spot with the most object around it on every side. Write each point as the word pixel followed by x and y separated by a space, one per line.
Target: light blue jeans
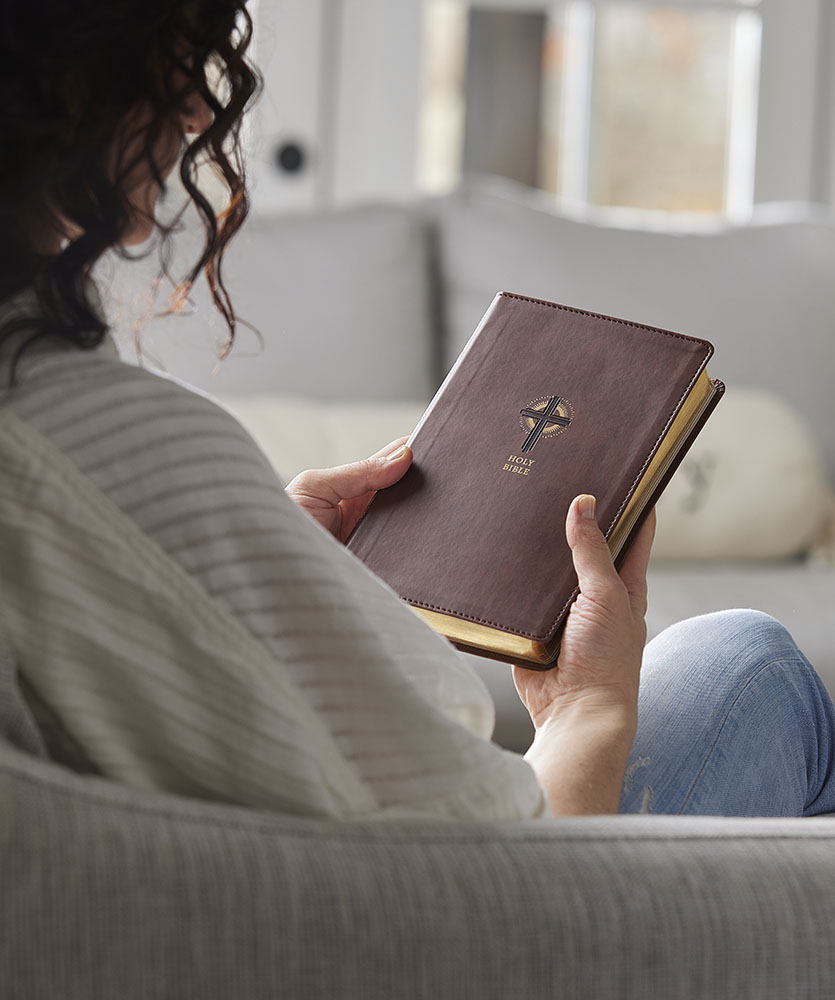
pixel 732 721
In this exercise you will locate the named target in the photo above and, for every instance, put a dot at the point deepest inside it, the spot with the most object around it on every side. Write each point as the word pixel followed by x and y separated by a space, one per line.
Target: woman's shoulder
pixel 114 419
pixel 73 375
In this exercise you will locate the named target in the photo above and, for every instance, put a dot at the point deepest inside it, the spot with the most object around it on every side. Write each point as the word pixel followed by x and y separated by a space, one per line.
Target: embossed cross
pixel 544 418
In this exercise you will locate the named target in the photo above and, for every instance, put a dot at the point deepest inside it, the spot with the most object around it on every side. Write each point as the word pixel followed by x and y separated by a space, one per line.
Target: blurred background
pixel 665 161
pixel 673 106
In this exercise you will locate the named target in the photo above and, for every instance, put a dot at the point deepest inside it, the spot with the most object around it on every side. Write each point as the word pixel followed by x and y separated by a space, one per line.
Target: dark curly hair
pixel 88 89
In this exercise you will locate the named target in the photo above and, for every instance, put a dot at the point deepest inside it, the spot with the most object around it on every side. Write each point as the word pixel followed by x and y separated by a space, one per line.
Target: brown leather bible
pixel 544 403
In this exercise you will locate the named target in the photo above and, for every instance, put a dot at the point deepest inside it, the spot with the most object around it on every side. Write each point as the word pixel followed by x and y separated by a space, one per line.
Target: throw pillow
pixel 752 487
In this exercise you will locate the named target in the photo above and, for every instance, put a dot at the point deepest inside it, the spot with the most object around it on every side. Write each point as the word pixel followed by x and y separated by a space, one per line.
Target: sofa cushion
pixel 753 486
pixel 800 596
pixel 341 298
pixel 761 293
pixel 297 433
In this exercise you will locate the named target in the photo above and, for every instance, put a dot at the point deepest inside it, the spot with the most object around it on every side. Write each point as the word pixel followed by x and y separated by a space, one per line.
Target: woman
pixel 182 623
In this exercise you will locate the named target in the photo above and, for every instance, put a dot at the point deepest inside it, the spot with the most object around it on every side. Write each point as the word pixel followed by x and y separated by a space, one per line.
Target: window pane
pixel 442 99
pixel 647 106
pixel 504 94
pixel 553 78
pixel 662 99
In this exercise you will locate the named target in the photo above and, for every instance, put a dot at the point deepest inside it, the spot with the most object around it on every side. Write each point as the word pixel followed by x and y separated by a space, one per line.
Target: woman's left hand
pixel 337 498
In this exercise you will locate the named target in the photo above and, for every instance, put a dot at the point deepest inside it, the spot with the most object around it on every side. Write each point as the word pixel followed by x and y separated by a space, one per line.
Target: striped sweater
pixel 180 624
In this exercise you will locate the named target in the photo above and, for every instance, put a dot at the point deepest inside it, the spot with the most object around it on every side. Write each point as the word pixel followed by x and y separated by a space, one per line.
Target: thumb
pixel 592 559
pixel 384 468
pixel 345 482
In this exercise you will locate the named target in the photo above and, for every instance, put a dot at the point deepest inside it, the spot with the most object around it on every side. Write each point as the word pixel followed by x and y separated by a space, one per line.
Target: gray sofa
pixel 363 310
pixel 112 894
pixel 108 893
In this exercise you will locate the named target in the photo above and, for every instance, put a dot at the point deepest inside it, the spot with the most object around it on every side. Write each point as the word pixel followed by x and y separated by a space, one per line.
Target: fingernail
pixel 396 455
pixel 587 505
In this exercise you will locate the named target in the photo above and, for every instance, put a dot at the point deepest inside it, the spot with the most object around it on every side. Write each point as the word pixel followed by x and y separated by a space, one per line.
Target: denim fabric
pixel 732 721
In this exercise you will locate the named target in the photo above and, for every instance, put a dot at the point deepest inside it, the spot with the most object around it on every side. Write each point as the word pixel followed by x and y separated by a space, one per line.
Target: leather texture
pixel 474 531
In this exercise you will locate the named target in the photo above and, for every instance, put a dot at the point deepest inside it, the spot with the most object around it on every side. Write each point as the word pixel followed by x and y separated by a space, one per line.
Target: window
pixel 702 106
pixel 660 110
pixel 670 105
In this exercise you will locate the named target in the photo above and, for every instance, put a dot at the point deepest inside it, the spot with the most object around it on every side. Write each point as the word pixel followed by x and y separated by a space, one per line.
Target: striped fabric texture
pixel 183 626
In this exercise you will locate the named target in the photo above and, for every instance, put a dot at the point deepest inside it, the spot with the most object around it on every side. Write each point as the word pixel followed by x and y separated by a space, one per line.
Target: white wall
pixel 787 145
pixel 290 40
pixel 341 78
pixel 377 99
pixel 824 169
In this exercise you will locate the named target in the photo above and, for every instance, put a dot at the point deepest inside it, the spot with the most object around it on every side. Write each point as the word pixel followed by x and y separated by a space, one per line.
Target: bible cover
pixel 544 403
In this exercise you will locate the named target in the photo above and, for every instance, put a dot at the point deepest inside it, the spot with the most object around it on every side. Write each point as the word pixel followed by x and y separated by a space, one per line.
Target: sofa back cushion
pixel 341 298
pixel 763 294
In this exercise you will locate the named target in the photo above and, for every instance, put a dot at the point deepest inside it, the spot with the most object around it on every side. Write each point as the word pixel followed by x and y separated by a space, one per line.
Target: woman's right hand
pixel 602 645
pixel 586 706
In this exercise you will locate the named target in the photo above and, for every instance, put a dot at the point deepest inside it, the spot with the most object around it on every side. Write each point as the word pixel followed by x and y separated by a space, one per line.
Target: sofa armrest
pixel 109 892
